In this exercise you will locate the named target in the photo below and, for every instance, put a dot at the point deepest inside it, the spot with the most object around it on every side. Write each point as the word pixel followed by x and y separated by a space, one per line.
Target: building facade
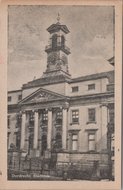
pixel 63 119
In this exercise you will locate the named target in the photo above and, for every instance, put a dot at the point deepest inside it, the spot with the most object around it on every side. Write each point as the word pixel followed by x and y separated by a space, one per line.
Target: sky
pixel 91 40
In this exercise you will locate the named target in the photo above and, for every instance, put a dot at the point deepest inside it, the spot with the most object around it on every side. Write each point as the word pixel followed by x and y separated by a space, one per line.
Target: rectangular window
pixel 91 86
pixel 91 142
pixel 45 117
pixel 31 117
pixel 31 139
pixel 75 116
pixel 111 116
pixel 75 89
pixel 112 144
pixel 31 121
pixel 17 140
pixel 8 121
pixel 74 142
pixel 19 119
pixel 59 117
pixel 9 98
pixel 8 136
pixel 19 97
pixel 91 115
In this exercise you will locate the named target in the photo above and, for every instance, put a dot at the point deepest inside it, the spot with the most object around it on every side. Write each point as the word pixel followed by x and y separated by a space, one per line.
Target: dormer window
pixel 91 87
pixel 75 89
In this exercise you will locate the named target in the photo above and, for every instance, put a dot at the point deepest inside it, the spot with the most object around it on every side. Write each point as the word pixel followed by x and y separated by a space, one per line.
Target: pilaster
pixel 23 126
pixel 36 116
pixel 49 131
pixel 64 126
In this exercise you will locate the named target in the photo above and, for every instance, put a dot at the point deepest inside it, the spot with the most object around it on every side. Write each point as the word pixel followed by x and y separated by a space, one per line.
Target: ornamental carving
pixel 41 97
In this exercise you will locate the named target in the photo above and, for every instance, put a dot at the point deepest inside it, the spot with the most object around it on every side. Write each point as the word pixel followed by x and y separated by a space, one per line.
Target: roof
pixel 14 91
pixel 47 80
pixel 56 27
pixel 109 74
pixel 61 78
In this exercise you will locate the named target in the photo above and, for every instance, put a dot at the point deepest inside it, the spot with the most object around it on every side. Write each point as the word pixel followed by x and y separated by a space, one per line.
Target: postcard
pixel 60 94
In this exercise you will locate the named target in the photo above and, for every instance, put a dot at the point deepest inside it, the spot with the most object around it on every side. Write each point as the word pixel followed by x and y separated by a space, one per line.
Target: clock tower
pixel 57 51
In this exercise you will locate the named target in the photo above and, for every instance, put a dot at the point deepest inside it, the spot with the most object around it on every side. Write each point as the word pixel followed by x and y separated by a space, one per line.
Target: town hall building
pixel 62 121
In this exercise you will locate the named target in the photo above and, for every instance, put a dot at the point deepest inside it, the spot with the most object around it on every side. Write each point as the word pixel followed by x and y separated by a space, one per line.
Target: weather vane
pixel 58 17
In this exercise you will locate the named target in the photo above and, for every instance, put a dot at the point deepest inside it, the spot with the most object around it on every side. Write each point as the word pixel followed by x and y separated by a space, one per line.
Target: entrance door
pixel 44 144
pixel 30 147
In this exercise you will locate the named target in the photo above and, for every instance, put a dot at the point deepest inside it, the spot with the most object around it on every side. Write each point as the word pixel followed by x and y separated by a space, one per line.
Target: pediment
pixel 41 95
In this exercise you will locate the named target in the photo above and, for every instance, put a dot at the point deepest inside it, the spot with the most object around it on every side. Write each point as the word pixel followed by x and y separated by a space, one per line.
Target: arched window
pixel 62 41
pixel 44 144
pixel 54 41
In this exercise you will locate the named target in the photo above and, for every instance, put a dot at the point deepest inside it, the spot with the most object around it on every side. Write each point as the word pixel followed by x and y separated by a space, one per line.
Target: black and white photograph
pixel 61 70
pixel 60 94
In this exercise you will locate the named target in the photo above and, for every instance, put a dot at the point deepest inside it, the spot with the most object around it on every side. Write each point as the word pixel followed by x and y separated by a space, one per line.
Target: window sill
pixel 75 123
pixel 92 151
pixel 31 127
pixel 91 122
pixel 73 151
pixel 43 125
pixel 58 125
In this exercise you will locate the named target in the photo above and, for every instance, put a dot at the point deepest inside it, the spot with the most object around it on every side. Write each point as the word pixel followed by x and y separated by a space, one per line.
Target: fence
pixel 47 168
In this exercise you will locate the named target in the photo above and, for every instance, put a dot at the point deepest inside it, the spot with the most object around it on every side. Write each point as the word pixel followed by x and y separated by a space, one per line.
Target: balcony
pixel 59 46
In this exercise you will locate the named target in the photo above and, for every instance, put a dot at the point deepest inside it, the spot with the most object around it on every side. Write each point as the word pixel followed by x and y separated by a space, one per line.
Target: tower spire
pixel 58 17
pixel 57 51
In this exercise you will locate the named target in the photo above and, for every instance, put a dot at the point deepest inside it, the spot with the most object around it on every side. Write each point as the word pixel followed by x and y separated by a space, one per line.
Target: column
pixel 104 126
pixel 64 129
pixel 23 126
pixel 35 145
pixel 49 130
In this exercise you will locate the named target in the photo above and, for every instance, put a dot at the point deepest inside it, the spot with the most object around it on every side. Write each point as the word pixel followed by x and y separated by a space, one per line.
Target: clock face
pixel 52 58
